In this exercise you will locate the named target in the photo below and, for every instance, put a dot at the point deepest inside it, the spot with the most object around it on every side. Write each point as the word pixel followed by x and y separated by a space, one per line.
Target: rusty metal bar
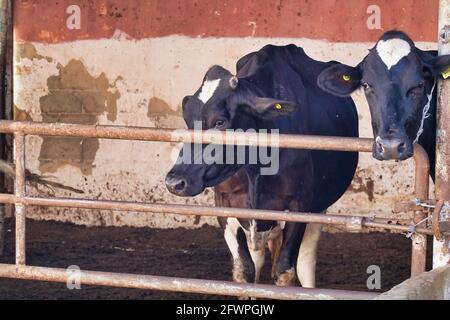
pixel 5 91
pixel 421 191
pixel 180 284
pixel 351 223
pixel 3 36
pixel 187 136
pixel 441 255
pixel 19 148
pixel 2 228
pixel 395 227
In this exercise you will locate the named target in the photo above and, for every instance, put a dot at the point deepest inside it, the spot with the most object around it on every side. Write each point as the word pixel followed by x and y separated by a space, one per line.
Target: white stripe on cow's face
pixel 392 51
pixel 208 89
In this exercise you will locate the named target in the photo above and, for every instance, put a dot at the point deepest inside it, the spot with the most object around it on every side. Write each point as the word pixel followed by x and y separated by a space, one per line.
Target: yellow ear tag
pixel 346 77
pixel 446 73
pixel 278 106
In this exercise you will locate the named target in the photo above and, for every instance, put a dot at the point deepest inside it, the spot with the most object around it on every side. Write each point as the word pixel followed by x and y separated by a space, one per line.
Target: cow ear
pixel 340 80
pixel 192 108
pixel 439 66
pixel 267 108
pixel 185 101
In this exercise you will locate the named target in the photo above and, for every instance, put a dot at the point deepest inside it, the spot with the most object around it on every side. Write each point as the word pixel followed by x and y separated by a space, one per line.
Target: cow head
pixel 398 80
pixel 223 102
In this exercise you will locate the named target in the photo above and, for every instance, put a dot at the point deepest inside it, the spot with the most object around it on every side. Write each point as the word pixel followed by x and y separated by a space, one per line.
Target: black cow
pixel 399 81
pixel 275 88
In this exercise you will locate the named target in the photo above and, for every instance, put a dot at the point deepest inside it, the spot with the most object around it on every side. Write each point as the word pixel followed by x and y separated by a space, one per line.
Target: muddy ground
pixel 342 259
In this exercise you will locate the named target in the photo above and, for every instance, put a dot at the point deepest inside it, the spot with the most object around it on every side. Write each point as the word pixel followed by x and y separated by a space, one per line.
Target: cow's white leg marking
pixel 256 240
pixel 208 89
pixel 258 259
pixel 391 51
pixel 230 235
pixel 256 244
pixel 307 256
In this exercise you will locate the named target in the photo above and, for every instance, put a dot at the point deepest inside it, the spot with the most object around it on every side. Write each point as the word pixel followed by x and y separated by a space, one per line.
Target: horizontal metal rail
pixel 351 223
pixel 223 288
pixel 187 136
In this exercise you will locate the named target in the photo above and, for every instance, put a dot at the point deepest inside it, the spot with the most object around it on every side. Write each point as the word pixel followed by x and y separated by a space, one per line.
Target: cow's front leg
pixel 285 266
pixel 306 262
pixel 243 267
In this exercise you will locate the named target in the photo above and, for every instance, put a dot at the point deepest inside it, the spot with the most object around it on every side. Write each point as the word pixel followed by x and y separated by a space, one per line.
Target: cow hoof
pixel 286 279
pixel 239 277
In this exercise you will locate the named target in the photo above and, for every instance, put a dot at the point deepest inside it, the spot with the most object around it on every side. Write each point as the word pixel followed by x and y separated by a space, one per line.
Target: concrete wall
pixel 131 63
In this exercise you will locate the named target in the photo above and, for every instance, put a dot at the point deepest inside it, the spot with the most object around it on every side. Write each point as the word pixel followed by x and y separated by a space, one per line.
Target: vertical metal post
pixel 421 189
pixel 5 20
pixel 441 255
pixel 19 148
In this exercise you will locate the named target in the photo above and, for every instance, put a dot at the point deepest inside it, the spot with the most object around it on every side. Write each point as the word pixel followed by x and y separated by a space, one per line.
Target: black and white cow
pixel 399 81
pixel 275 88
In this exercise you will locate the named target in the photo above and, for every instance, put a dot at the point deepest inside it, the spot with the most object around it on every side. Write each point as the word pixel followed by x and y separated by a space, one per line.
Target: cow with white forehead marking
pixel 399 81
pixel 274 88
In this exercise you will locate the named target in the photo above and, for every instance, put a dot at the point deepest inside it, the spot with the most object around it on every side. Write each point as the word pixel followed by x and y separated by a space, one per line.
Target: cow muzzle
pixel 183 186
pixel 392 148
pixel 176 185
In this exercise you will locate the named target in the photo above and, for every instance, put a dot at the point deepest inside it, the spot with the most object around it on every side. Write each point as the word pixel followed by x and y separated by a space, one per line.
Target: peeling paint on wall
pixel 363 183
pixel 164 117
pixel 28 51
pixel 75 96
pixel 21 115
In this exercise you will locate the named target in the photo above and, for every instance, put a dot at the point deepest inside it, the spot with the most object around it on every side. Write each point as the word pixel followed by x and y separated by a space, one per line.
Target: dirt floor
pixel 342 260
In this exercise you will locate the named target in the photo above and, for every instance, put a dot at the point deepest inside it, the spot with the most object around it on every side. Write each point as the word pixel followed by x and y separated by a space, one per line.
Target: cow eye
pixel 416 90
pixel 220 124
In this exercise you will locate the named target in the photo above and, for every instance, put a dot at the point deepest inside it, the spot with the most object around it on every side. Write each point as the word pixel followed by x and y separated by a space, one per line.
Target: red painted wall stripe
pixel 334 20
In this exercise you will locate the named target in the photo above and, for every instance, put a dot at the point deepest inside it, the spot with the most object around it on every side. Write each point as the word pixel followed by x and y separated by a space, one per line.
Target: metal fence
pixel 351 223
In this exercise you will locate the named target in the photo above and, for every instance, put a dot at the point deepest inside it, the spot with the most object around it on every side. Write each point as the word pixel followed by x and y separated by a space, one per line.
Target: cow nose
pixel 393 148
pixel 176 185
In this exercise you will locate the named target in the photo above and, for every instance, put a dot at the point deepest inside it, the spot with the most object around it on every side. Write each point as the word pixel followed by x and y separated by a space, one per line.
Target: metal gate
pixel 351 223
